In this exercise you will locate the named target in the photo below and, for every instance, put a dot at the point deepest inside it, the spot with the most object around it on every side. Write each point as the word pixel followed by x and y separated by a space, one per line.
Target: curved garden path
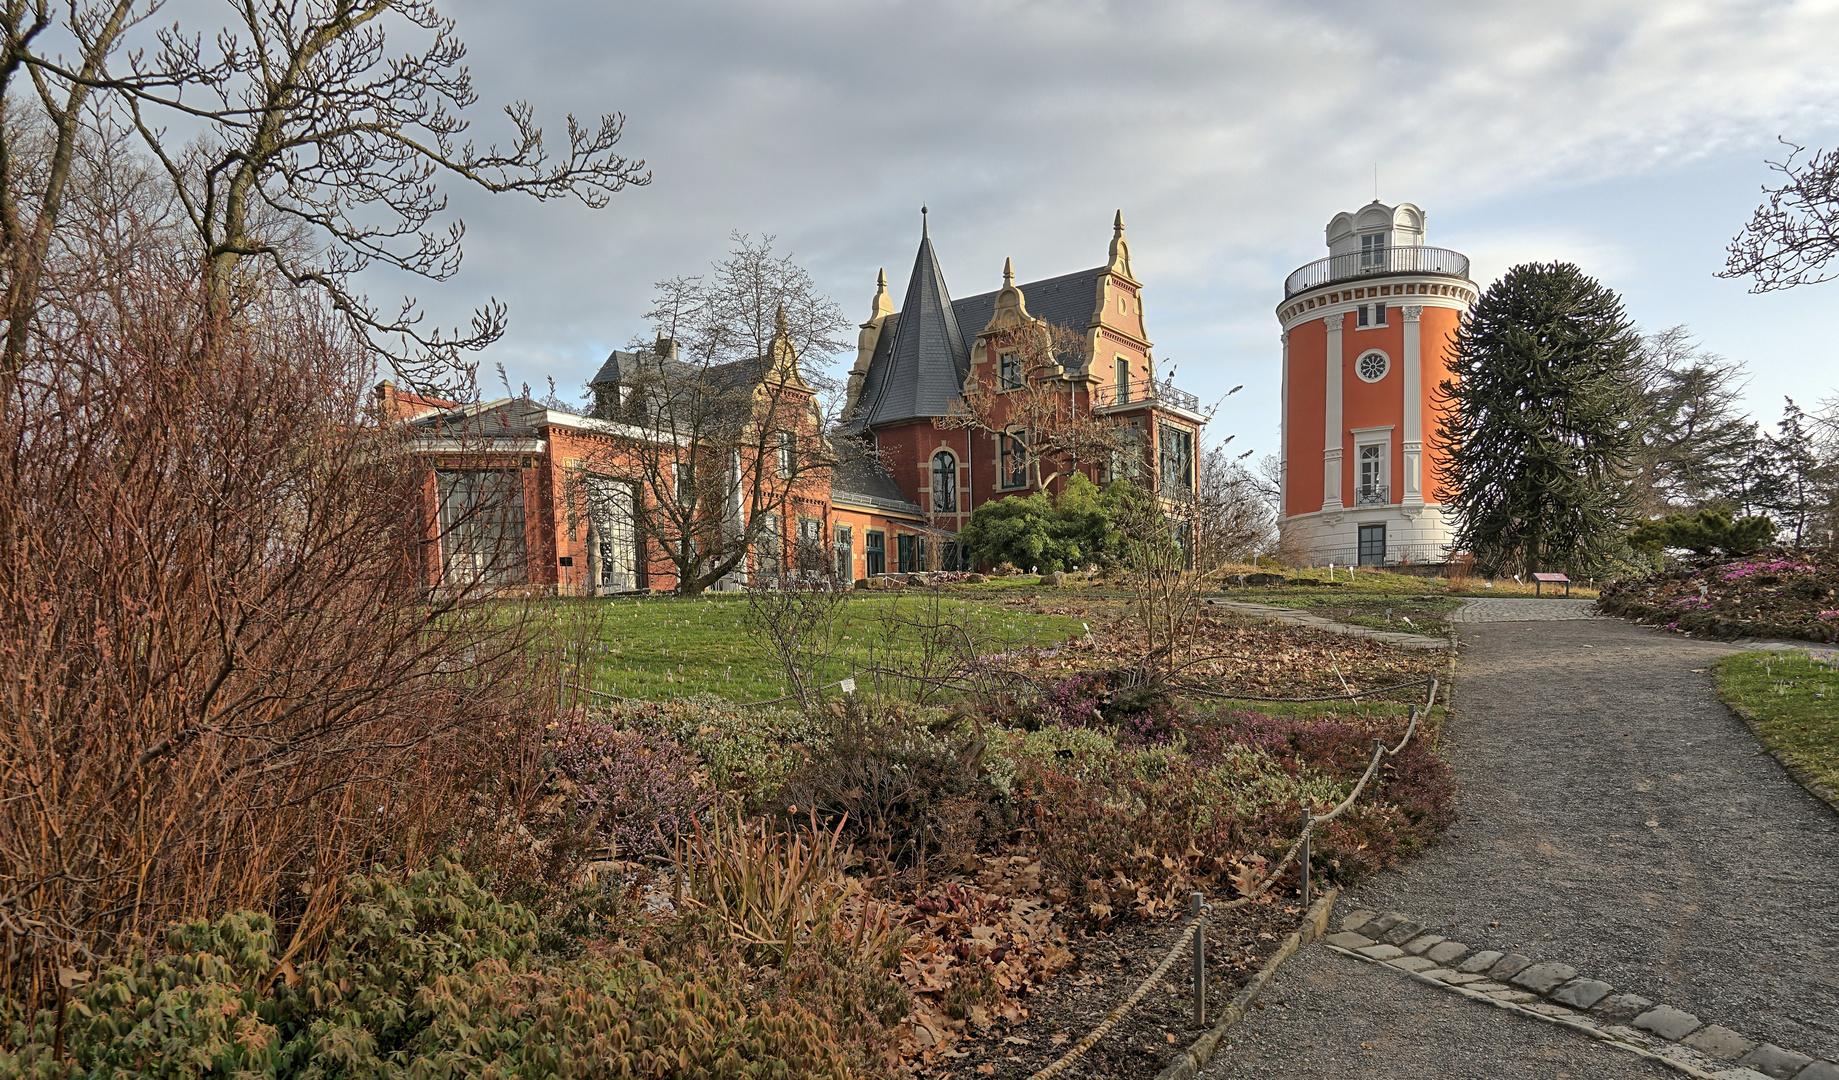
pixel 1615 817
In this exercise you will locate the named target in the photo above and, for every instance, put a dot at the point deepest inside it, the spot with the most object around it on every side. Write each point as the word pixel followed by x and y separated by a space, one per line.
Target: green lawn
pixel 1794 698
pixel 663 647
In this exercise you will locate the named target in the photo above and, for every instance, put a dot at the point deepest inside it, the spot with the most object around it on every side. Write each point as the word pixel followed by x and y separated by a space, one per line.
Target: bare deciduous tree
pixel 318 153
pixel 1793 236
pixel 726 430
pixel 1029 400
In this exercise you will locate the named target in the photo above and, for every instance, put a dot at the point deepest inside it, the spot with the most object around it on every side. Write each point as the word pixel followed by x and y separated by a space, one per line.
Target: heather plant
pixel 1167 816
pixel 903 792
pixel 428 974
pixel 640 791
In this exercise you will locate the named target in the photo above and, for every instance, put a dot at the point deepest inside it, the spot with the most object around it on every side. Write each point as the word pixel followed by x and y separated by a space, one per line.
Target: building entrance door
pixel 1372 545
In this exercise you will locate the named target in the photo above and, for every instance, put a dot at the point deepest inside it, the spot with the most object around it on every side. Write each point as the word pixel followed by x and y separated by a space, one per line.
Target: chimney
pixel 666 347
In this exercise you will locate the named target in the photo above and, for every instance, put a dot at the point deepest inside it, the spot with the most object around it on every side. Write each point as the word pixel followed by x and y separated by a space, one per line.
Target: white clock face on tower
pixel 1372 366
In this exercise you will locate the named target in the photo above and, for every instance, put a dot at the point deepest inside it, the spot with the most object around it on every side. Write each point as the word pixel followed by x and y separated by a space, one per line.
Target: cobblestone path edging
pixel 1555 992
pixel 1188 1064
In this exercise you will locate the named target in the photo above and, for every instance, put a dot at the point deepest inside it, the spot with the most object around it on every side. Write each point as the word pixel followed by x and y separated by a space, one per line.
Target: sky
pixel 1629 138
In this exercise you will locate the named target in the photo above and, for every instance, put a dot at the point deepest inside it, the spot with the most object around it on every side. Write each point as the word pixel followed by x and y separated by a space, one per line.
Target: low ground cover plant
pixel 1790 593
pixel 427 974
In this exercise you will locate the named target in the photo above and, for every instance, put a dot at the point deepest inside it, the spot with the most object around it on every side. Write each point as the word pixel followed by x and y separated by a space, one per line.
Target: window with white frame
pixel 1372 467
pixel 1372 252
pixel 1372 366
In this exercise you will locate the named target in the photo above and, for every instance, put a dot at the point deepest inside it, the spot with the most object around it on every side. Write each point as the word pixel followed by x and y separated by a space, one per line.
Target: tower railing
pixel 1404 259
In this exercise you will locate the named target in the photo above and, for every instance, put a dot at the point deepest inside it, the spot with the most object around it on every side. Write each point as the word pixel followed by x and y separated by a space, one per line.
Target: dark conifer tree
pixel 1543 422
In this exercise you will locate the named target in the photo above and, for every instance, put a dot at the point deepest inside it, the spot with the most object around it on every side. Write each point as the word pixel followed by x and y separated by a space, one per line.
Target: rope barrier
pixel 1111 1018
pixel 1380 752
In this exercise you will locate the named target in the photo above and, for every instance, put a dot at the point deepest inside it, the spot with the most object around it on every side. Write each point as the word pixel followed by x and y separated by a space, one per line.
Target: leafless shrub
pixel 799 624
pixel 225 686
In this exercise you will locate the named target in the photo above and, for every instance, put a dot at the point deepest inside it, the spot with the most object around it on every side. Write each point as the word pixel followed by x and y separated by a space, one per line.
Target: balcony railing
pixel 1405 259
pixel 1143 391
pixel 1373 495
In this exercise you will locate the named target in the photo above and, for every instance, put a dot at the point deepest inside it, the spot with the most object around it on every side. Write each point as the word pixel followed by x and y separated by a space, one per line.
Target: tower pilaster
pixel 1411 439
pixel 1331 432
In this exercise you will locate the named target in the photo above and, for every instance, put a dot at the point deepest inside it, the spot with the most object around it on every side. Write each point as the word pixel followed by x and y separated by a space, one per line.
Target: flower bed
pixel 1791 594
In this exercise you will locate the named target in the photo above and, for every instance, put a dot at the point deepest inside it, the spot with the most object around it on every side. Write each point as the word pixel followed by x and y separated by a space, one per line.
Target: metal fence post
pixel 1200 960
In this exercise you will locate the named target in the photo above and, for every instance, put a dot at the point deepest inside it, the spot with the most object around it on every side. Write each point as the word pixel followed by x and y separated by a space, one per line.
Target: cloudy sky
pixel 1628 137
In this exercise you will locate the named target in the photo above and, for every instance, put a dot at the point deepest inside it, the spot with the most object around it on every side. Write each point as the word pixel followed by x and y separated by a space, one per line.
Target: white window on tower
pixel 1372 252
pixel 1379 314
pixel 1360 318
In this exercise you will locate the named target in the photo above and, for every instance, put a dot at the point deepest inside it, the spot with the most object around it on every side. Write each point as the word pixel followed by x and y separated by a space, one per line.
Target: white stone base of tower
pixel 1413 534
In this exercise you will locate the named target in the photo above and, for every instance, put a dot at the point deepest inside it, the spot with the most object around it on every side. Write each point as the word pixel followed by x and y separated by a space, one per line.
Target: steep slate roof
pixel 1069 300
pixel 861 480
pixel 925 363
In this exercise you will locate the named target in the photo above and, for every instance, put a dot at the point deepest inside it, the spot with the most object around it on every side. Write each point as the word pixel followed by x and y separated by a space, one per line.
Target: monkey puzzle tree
pixel 1543 421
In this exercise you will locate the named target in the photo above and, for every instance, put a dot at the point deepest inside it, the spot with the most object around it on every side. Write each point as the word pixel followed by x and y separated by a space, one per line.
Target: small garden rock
pixel 1719 1042
pixel 1544 978
pixel 1480 962
pixel 1623 1007
pixel 1669 1023
pixel 1771 1060
pixel 1582 993
pixel 1510 965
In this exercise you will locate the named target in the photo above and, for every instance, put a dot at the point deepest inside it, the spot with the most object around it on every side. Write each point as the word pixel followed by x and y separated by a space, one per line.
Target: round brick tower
pixel 1366 339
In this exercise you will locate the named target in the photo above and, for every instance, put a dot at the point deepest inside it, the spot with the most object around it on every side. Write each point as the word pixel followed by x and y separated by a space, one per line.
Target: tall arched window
pixel 944 482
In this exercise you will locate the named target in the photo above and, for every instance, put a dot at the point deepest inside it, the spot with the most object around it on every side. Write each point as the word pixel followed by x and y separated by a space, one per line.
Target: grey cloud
pixel 1228 133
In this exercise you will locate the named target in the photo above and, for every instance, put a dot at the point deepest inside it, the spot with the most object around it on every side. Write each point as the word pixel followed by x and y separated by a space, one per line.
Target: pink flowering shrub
pixel 1772 565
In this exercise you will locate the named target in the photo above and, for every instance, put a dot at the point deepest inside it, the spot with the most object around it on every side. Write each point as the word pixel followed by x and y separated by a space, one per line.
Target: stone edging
pixel 1514 982
pixel 1189 1063
pixel 1794 769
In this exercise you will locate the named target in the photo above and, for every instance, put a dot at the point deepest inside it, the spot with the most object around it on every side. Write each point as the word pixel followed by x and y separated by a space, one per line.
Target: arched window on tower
pixel 944 482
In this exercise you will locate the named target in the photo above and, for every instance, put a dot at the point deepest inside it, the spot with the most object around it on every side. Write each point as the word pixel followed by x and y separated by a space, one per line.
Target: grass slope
pixel 1794 698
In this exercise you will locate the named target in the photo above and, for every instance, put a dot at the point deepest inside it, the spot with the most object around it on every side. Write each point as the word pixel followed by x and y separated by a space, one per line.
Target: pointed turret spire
pixel 1120 248
pixel 928 360
pixel 882 304
pixel 1011 308
pixel 779 320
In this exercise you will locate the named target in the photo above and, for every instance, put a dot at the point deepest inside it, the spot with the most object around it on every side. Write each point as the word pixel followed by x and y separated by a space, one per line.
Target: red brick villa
pixel 565 496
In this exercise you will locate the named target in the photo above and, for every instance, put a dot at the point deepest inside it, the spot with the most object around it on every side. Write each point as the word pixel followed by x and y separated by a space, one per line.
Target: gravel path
pixel 1615 817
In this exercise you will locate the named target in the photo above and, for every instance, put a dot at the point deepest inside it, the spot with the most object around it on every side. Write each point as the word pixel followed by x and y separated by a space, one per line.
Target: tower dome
pixel 1367 333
